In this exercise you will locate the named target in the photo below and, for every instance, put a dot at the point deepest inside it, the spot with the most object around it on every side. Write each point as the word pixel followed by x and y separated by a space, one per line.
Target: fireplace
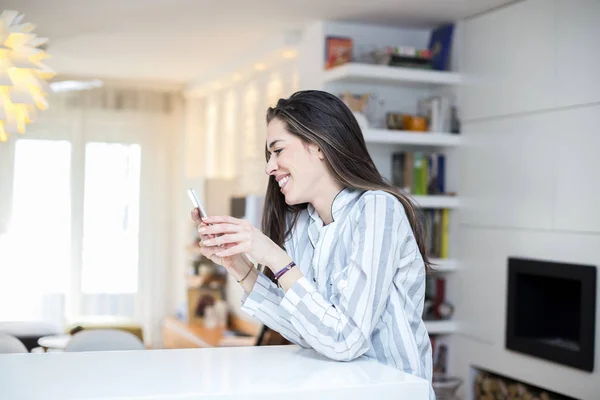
pixel 551 311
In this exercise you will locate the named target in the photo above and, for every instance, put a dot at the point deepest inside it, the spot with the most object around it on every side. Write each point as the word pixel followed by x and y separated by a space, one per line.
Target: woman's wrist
pixel 279 261
pixel 248 283
pixel 241 268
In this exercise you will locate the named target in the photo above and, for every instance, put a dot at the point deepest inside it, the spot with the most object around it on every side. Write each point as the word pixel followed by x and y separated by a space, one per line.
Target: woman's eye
pixel 277 151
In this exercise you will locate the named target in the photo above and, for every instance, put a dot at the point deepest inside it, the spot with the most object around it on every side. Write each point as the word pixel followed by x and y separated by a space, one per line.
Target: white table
pixel 256 373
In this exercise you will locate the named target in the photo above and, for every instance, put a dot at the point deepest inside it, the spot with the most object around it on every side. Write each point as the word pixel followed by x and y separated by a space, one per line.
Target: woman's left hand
pixel 243 237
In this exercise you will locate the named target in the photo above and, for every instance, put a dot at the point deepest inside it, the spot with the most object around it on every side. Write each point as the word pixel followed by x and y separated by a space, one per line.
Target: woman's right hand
pixel 237 265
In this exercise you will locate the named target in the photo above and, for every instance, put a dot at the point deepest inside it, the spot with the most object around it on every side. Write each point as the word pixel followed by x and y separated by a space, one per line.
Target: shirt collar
pixel 345 196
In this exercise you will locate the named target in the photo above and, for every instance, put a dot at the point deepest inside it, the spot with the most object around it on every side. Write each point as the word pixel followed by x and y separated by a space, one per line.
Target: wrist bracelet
pixel 283 270
pixel 248 273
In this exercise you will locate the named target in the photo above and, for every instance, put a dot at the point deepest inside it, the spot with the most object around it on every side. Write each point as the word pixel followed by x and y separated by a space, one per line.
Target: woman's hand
pixel 241 237
pixel 237 265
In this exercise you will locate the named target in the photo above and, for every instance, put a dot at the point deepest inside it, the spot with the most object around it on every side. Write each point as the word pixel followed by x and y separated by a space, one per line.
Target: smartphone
pixel 196 203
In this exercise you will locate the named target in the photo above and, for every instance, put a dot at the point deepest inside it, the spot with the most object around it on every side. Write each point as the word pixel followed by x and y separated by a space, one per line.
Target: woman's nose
pixel 271 166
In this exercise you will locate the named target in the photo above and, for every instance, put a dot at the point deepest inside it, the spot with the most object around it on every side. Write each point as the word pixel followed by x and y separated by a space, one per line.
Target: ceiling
pixel 179 40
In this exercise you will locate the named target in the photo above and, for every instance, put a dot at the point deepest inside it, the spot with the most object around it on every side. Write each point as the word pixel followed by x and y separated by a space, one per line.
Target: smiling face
pixel 299 168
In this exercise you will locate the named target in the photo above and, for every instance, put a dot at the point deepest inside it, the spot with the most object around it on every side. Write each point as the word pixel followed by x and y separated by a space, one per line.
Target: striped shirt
pixel 363 287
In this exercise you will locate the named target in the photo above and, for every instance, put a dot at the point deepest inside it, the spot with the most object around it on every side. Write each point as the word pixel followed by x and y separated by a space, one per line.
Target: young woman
pixel 342 251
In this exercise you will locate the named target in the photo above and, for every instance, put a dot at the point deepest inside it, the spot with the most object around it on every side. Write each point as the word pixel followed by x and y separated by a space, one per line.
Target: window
pixel 44 273
pixel 35 251
pixel 111 218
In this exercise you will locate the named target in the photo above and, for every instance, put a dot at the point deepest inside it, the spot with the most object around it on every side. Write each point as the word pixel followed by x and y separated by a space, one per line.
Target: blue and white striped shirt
pixel 363 287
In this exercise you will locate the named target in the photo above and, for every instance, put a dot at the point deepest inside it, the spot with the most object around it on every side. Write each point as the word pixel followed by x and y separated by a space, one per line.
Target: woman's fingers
pixel 226 239
pixel 219 228
pixel 237 249
pixel 223 219
pixel 196 216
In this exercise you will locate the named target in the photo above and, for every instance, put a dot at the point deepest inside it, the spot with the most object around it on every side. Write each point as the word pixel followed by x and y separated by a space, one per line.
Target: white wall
pixel 226 127
pixel 529 171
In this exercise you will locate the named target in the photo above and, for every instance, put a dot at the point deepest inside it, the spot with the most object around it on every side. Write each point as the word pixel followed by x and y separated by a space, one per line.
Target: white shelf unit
pixel 444 265
pixel 441 327
pixel 396 76
pixel 437 201
pixel 383 136
pixel 392 141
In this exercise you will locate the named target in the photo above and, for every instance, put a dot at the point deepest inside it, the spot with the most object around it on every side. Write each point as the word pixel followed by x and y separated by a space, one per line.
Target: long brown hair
pixel 321 118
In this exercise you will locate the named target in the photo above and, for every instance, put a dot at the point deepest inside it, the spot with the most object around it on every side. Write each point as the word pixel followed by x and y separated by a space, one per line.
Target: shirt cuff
pixel 251 302
pixel 301 288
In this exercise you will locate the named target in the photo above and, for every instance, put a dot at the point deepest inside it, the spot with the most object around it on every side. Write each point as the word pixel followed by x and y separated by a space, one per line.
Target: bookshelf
pixel 396 76
pixel 384 143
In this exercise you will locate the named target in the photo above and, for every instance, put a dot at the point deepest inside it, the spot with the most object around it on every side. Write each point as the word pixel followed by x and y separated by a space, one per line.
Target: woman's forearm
pixel 248 283
pixel 245 274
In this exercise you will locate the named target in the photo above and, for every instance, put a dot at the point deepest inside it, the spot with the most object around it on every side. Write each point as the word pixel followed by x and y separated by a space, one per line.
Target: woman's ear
pixel 316 150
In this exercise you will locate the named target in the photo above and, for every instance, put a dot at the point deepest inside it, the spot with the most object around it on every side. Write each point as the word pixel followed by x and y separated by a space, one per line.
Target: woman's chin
pixel 289 199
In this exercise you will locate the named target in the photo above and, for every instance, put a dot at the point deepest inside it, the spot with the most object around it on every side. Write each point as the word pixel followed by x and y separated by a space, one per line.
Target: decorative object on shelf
pixel 215 315
pixel 437 312
pixel 23 74
pixel 363 53
pixel 436 307
pixel 440 358
pixel 393 121
pixel 199 299
pixel 437 111
pixel 403 56
pixel 414 123
pixel 440 45
pixel 454 121
pixel 358 104
pixel 338 51
pixel 205 288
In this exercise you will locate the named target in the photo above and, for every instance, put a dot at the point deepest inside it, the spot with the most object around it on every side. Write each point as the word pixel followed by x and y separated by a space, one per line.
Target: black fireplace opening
pixel 551 311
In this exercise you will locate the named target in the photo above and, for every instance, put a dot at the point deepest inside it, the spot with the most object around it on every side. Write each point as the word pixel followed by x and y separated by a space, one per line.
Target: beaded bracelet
pixel 283 270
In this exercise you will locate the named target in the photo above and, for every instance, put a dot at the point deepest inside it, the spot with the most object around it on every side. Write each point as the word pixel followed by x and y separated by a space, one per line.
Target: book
pixel 419 173
pixel 440 45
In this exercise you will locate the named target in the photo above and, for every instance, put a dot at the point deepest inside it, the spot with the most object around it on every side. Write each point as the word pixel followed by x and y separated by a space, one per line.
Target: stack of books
pixel 419 173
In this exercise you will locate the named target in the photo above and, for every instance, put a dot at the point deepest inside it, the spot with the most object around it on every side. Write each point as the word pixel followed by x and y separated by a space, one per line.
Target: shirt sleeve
pixel 342 331
pixel 263 302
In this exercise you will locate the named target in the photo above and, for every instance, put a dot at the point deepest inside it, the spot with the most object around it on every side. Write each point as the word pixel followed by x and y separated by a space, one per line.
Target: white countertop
pixel 260 373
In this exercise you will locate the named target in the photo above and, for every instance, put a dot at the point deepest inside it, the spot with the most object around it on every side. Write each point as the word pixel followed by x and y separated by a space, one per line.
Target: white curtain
pixel 84 200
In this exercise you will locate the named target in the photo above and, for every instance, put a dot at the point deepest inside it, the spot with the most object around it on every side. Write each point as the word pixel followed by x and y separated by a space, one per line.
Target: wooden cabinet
pixel 181 335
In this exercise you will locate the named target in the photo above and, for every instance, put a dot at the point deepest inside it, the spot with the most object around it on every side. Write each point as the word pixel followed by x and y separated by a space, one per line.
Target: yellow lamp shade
pixel 23 75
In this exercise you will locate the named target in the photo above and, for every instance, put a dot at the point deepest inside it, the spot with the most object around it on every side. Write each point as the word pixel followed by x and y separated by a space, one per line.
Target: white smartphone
pixel 196 203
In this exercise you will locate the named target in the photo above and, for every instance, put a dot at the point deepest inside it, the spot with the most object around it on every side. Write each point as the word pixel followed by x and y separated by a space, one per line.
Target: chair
pixel 104 340
pixel 28 332
pixel 269 337
pixel 10 344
